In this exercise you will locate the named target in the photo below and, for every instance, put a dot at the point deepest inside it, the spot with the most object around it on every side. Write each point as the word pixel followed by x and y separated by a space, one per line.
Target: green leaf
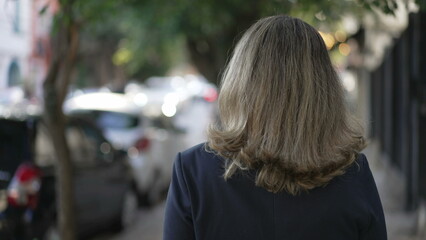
pixel 422 4
pixel 43 9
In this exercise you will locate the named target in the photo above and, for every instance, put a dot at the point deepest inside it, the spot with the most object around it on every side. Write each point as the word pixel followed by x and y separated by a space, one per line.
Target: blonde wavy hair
pixel 282 110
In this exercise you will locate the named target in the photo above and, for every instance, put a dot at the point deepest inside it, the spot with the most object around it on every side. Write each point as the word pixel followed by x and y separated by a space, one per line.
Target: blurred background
pixel 98 96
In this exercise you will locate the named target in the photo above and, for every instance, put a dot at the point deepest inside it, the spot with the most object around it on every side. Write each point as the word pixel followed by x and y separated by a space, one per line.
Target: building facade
pixel 24 47
pixel 15 42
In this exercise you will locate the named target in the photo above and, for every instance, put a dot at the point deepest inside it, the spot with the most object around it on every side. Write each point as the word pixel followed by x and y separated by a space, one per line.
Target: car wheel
pixel 152 195
pixel 52 233
pixel 155 196
pixel 143 200
pixel 129 209
pixel 159 189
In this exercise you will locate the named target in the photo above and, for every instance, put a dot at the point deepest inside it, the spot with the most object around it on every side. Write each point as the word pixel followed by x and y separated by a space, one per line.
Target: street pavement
pixel 148 225
pixel 401 225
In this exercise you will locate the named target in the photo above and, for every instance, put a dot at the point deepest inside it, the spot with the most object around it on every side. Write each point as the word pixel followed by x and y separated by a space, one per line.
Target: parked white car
pixel 152 122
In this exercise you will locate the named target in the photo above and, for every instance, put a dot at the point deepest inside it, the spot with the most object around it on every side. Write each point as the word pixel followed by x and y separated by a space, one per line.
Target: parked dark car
pixel 104 192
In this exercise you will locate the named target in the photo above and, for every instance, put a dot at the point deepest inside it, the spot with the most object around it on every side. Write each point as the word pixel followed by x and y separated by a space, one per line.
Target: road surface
pixel 148 225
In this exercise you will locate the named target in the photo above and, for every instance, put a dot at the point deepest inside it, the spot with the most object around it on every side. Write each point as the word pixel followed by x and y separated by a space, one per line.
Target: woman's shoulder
pixel 360 165
pixel 359 172
pixel 199 157
pixel 196 153
pixel 196 149
pixel 361 159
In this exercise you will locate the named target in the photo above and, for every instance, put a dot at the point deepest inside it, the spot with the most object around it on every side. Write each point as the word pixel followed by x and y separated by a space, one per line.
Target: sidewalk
pixel 401 225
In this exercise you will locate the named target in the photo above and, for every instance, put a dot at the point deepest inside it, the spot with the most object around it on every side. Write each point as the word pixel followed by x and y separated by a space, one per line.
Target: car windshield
pixel 112 120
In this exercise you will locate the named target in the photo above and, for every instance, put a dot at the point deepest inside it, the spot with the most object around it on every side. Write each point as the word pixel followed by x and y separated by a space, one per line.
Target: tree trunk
pixel 55 121
pixel 64 49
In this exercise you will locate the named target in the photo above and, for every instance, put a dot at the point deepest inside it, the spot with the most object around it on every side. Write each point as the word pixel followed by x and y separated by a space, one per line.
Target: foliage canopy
pixel 151 36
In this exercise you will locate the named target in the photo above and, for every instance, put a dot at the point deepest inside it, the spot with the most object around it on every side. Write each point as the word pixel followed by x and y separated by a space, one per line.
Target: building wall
pixel 24 45
pixel 15 40
pixel 40 43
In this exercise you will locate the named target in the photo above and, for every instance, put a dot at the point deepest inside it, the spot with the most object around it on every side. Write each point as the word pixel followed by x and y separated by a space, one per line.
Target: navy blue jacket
pixel 202 205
